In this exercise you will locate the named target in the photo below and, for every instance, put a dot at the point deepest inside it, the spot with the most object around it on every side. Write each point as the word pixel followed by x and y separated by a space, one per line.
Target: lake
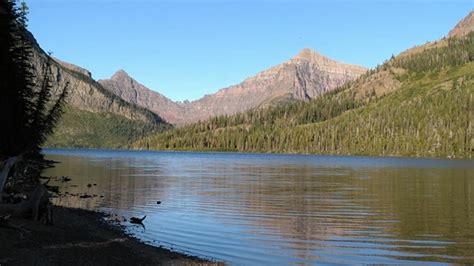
pixel 282 209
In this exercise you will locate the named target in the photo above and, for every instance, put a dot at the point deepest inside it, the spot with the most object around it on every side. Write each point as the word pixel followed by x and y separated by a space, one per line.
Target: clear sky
pixel 187 48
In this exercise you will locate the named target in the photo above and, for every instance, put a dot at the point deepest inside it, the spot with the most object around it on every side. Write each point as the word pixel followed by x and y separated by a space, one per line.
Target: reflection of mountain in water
pixel 303 211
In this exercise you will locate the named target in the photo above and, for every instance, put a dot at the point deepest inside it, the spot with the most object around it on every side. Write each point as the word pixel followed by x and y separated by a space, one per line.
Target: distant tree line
pixel 456 52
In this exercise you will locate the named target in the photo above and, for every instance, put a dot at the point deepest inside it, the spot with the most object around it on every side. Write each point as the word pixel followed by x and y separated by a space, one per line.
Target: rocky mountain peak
pixel 121 75
pixel 322 62
pixel 464 26
pixel 127 88
pixel 310 54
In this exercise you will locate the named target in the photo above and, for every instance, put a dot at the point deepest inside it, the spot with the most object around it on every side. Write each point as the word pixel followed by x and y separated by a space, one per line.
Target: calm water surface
pixel 283 209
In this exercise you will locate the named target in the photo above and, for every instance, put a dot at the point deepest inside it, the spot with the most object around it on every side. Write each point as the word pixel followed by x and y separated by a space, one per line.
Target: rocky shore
pixel 80 237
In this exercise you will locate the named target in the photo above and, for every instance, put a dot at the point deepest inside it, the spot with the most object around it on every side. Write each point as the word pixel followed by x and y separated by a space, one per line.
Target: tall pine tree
pixel 28 112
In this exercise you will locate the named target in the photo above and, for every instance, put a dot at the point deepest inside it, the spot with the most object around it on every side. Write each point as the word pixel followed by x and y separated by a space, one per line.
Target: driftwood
pixel 7 166
pixel 135 220
pixel 38 206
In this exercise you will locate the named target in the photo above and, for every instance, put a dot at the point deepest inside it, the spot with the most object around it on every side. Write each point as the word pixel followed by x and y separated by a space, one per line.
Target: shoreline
pixel 379 156
pixel 82 237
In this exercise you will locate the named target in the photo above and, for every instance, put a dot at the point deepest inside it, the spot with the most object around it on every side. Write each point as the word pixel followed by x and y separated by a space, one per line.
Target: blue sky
pixel 187 48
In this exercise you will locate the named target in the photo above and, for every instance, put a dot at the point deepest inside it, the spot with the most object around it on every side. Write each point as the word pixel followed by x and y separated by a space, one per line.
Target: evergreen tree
pixel 27 112
pixel 16 83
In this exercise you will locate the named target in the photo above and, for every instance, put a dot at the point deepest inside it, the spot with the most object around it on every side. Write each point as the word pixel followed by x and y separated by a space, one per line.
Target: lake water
pixel 283 209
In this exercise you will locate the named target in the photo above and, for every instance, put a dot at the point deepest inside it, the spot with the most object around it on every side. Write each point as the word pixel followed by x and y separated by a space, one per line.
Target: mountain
pixel 304 77
pixel 122 85
pixel 88 99
pixel 418 103
pixel 463 27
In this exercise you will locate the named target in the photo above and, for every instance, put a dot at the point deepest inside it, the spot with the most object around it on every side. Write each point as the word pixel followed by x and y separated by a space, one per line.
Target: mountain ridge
pixel 465 26
pixel 130 90
pixel 303 77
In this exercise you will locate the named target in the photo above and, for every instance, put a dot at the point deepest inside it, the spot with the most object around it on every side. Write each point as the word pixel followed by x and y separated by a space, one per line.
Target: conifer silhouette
pixel 28 112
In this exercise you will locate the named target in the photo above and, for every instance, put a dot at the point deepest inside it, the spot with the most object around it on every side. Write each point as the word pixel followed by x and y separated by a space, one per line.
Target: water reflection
pixel 284 209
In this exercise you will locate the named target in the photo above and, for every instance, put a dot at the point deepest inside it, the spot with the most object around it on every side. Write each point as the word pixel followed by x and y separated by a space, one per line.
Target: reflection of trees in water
pixel 434 204
pixel 310 205
pixel 305 206
pixel 304 212
pixel 121 185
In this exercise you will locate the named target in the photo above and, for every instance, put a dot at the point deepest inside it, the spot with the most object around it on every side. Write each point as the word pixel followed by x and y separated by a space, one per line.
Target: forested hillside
pixel 84 129
pixel 415 104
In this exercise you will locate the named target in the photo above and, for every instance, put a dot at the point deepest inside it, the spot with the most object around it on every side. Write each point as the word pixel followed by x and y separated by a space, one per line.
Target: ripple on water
pixel 283 209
